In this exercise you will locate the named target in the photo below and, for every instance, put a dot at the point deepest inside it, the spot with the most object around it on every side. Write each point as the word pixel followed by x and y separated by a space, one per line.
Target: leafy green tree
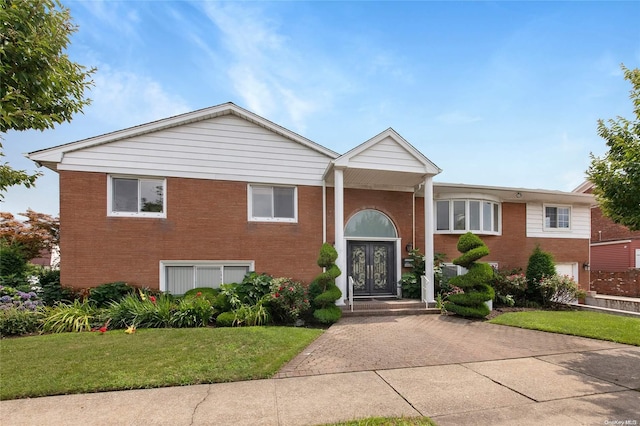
pixel 616 176
pixel 41 86
pixel 541 265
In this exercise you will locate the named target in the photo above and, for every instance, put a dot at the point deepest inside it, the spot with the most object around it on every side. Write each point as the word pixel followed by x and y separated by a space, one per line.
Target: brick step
pixel 380 307
pixel 346 312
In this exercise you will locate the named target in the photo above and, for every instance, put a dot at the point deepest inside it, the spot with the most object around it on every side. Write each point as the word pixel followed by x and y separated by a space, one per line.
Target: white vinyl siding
pixel 221 148
pixel 387 155
pixel 178 277
pixel 580 222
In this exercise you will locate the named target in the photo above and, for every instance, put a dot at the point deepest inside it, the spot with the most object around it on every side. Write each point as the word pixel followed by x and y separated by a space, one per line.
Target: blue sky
pixel 494 93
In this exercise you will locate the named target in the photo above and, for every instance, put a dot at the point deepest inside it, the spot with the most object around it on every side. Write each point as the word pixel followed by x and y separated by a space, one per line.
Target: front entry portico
pixel 386 162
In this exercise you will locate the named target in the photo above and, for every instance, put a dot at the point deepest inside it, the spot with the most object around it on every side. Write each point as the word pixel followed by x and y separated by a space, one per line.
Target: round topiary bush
pixel 226 319
pixel 475 283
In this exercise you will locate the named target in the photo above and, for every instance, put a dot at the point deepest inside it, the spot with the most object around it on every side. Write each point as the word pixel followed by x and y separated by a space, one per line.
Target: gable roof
pixel 51 156
pixel 386 161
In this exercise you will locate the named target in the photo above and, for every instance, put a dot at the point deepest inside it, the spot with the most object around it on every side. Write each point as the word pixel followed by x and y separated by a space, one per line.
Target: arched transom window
pixel 370 223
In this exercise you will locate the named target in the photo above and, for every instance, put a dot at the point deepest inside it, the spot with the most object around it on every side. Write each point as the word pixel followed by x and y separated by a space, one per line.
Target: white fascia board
pixel 526 194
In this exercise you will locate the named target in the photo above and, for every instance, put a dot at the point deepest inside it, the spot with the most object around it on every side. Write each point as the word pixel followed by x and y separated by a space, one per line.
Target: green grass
pixel 576 323
pixel 68 363
pixel 388 421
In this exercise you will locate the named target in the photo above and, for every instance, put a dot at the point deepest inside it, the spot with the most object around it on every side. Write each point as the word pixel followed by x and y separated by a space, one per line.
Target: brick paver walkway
pixel 381 343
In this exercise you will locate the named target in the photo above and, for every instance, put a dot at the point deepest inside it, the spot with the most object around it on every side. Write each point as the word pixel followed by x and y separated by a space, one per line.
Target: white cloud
pixel 457 117
pixel 275 78
pixel 122 98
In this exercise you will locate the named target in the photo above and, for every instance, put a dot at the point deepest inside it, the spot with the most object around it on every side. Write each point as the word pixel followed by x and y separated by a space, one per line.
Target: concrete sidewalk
pixel 545 379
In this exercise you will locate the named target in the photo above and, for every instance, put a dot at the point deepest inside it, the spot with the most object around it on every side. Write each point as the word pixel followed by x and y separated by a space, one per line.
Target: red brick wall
pixel 206 220
pixel 625 283
pixel 604 229
pixel 512 249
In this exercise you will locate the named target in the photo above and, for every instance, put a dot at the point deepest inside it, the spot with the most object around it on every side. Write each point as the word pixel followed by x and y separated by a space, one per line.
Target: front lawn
pixel 577 323
pixel 89 362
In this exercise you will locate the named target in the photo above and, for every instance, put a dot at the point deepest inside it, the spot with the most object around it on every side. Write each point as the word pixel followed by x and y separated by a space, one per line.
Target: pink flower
pixel 290 288
pixel 198 294
pixel 153 299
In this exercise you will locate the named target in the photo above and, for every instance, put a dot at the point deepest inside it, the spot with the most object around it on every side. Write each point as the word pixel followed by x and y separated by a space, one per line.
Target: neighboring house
pixel 614 248
pixel 201 198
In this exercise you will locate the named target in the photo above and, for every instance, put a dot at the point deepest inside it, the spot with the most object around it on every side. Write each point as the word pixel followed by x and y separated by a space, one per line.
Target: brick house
pixel 614 247
pixel 201 198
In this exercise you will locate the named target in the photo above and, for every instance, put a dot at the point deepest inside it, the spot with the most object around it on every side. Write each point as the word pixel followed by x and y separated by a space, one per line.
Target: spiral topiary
pixel 326 310
pixel 474 283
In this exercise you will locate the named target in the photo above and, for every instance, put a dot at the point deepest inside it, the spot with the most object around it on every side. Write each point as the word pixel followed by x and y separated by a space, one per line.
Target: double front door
pixel 371 264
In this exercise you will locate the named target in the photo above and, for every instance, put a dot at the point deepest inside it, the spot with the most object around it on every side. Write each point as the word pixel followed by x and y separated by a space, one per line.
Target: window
pixel 459 216
pixel 178 277
pixel 133 196
pixel 556 217
pixel 370 223
pixel 273 203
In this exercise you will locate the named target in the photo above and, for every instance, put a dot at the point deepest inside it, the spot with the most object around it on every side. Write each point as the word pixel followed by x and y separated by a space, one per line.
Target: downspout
pixel 324 211
pixel 413 218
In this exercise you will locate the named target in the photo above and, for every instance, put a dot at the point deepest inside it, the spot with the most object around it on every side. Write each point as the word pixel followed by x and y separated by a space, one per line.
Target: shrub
pixel 11 298
pixel 474 283
pixel 18 322
pixel 75 317
pixel 253 315
pixel 226 319
pixel 253 287
pixel 540 265
pixel 51 292
pixel 559 289
pixel 327 312
pixel 142 311
pixel 410 286
pixel 206 292
pixel 510 287
pixel 289 300
pixel 192 311
pixel 104 294
pixel 13 258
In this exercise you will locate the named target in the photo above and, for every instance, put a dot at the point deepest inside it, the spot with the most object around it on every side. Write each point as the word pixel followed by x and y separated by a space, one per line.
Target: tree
pixel 616 176
pixel 41 86
pixel 39 232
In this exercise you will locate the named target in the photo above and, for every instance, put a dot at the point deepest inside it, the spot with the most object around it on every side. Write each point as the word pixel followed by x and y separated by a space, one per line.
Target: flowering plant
pixel 559 289
pixel 12 298
pixel 289 300
pixel 518 281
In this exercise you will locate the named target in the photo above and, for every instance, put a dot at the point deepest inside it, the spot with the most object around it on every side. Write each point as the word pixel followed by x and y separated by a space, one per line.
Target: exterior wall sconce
pixel 518 194
pixel 586 266
pixel 408 247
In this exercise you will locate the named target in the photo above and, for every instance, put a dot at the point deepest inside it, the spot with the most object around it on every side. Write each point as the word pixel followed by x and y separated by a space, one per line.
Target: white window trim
pixel 212 263
pixel 467 217
pixel 110 211
pixel 544 218
pixel 250 216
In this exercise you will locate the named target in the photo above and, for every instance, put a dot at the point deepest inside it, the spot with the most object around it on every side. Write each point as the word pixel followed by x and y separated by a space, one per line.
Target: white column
pixel 338 196
pixel 428 238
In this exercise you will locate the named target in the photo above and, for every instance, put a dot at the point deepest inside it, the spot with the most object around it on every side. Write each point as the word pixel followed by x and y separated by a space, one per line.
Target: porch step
pixel 386 307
